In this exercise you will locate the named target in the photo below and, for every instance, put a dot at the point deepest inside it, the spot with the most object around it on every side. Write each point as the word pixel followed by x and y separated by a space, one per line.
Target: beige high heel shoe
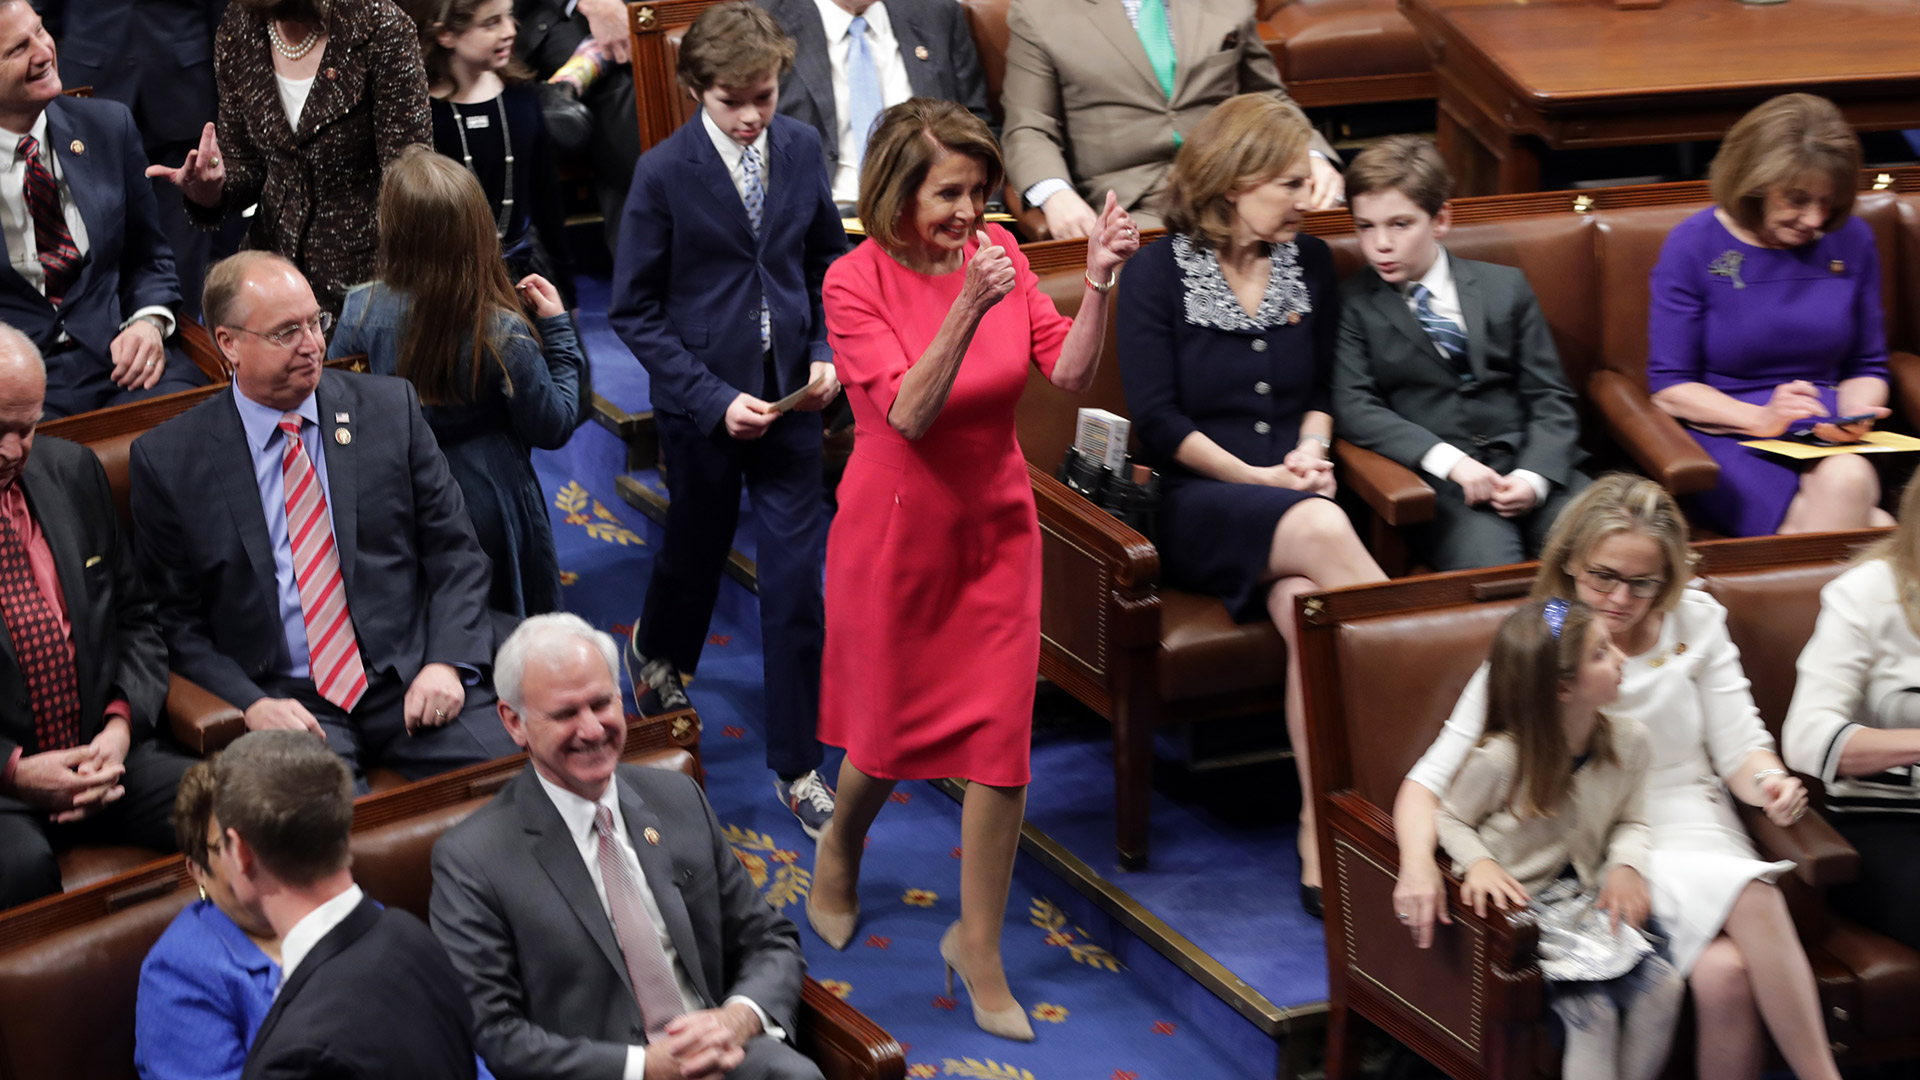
pixel 1009 1023
pixel 834 929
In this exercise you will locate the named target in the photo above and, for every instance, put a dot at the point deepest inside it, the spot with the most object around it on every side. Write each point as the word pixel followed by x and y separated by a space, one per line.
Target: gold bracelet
pixel 1112 280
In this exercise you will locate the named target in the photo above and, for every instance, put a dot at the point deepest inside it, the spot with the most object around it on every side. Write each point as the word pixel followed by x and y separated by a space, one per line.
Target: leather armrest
pixel 842 1041
pixel 1135 562
pixel 202 722
pixel 198 344
pixel 1657 441
pixel 1821 857
pixel 1904 385
pixel 1392 490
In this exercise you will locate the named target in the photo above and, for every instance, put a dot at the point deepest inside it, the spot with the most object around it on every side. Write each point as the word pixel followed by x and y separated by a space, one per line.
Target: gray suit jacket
pixel 1084 105
pixel 934 41
pixel 1394 394
pixel 517 912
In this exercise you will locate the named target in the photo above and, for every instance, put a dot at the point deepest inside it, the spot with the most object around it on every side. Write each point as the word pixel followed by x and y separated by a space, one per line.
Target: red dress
pixel 933 562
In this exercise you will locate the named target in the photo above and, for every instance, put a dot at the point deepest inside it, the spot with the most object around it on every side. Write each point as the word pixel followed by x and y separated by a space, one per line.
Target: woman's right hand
pixel 203 175
pixel 1487 881
pixel 989 275
pixel 1420 897
pixel 1791 402
pixel 541 296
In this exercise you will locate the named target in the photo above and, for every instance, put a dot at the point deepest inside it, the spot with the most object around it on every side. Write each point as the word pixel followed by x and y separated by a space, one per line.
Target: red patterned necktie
pixel 333 656
pixel 58 257
pixel 654 988
pixel 39 648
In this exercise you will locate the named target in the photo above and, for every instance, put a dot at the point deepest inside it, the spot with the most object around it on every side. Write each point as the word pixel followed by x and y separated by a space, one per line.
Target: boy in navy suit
pixel 1447 367
pixel 727 234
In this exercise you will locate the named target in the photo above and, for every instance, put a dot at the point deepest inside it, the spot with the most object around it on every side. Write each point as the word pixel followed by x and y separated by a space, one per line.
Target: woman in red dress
pixel 933 562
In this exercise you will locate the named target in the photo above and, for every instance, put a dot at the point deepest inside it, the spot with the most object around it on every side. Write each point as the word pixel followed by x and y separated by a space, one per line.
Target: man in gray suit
pixel 1447 366
pixel 1099 93
pixel 855 58
pixel 602 925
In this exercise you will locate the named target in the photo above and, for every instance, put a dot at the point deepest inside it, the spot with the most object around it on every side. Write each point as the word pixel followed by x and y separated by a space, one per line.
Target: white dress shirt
pixel 887 61
pixel 733 156
pixel 578 815
pixel 23 249
pixel 1445 302
pixel 300 939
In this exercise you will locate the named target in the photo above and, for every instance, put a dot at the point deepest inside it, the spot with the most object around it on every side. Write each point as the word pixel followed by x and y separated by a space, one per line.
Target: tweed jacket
pixel 318 186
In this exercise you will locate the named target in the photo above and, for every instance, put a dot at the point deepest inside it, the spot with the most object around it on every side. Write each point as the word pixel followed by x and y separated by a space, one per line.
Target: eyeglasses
pixel 288 336
pixel 1605 581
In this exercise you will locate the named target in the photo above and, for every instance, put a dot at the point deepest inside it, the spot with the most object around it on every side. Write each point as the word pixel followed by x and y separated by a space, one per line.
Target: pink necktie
pixel 654 989
pixel 333 656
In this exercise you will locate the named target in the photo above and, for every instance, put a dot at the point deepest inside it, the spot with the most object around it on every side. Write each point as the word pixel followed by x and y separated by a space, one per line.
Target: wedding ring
pixel 214 161
pixel 1402 916
pixel 439 714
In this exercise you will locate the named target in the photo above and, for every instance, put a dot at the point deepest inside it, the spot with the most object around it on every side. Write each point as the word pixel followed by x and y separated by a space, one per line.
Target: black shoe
pixel 657 686
pixel 1310 900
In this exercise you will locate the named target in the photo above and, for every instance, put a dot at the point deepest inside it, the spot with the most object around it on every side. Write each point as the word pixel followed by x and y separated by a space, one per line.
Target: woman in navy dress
pixel 1227 335
pixel 1766 319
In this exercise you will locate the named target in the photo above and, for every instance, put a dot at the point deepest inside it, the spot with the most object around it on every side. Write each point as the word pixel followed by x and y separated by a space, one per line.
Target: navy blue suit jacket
pixel 153 56
pixel 129 265
pixel 689 273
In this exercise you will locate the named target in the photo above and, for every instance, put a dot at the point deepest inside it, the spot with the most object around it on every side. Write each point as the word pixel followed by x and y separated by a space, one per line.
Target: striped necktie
pixel 654 988
pixel 1447 336
pixel 333 656
pixel 59 258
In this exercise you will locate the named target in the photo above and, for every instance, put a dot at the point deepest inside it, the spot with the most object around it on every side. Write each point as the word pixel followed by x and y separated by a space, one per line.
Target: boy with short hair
pixel 1447 367
pixel 727 234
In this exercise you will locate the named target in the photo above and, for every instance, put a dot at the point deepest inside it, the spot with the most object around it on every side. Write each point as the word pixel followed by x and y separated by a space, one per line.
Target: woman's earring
pixel 203 892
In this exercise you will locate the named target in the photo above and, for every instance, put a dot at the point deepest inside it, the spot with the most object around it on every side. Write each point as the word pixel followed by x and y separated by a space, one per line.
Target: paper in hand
pixel 788 402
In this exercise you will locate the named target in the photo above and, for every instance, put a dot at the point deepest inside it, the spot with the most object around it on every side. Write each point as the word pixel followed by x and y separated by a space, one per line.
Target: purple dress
pixel 1745 319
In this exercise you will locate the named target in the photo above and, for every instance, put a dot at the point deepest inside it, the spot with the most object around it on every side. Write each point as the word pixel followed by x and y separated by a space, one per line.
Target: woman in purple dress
pixel 1766 320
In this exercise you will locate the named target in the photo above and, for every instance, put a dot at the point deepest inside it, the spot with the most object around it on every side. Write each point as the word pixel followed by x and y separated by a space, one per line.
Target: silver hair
pixel 543 636
pixel 11 339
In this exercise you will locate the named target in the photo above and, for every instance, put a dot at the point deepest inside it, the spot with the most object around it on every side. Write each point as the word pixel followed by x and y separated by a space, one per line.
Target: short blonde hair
pixel 1773 146
pixel 1902 552
pixel 1246 140
pixel 1616 503
pixel 901 150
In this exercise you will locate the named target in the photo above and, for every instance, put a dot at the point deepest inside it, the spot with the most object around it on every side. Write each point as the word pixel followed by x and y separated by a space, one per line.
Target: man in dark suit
pixel 602 924
pixel 841 81
pixel 1447 366
pixel 156 58
pixel 89 275
pixel 365 990
pixel 550 31
pixel 329 582
pixel 83 670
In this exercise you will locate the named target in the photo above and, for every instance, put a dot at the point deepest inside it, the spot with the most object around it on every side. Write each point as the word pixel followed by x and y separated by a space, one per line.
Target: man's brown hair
pixel 1772 147
pixel 1246 140
pixel 901 150
pixel 291 799
pixel 1407 164
pixel 732 44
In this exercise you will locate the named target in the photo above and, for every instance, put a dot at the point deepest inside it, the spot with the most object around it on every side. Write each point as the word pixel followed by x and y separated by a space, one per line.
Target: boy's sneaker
pixel 657 687
pixel 810 799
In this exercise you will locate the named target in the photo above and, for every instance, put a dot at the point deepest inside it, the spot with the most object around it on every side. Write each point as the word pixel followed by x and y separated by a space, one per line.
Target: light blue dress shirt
pixel 267 444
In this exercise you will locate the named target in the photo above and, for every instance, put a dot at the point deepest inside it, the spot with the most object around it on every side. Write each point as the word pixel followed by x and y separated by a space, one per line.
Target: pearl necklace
pixel 280 44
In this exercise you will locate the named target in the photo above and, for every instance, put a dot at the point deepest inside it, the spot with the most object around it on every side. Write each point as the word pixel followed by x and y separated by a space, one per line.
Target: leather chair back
pixel 1770 616
pixel 987 19
pixel 1046 415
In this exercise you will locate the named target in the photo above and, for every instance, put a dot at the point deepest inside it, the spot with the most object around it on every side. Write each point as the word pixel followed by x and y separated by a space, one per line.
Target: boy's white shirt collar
pixel 731 152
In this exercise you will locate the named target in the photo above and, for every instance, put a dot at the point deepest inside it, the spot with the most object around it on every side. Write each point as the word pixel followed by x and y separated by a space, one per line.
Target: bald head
pixel 23 390
pixel 252 298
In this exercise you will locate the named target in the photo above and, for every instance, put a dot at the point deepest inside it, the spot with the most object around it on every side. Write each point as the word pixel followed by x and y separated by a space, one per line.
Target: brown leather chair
pixel 1346 52
pixel 69 965
pixel 1472 1004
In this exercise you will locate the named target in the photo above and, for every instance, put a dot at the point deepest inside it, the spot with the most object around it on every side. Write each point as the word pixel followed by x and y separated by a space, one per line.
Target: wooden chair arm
pixel 1135 562
pixel 198 344
pixel 1392 490
pixel 1904 385
pixel 202 722
pixel 1821 857
pixel 1657 441
pixel 842 1041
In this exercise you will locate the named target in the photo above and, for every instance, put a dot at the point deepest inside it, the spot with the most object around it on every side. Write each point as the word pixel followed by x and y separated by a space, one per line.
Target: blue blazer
pixel 688 272
pixel 155 56
pixel 129 265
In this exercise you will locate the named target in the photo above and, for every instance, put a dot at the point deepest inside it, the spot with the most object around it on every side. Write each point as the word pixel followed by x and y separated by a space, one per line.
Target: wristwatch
pixel 159 323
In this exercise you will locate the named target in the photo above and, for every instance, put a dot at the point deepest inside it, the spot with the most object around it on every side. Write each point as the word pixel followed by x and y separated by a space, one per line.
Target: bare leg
pixel 1782 980
pixel 836 871
pixel 1730 1043
pixel 1842 492
pixel 1313 548
pixel 989 838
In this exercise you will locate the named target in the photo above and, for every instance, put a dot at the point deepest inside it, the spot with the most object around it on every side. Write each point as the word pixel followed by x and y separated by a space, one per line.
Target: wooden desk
pixel 1515 76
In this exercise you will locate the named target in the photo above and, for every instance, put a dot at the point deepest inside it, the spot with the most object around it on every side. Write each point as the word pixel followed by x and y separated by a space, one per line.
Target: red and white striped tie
pixel 333 656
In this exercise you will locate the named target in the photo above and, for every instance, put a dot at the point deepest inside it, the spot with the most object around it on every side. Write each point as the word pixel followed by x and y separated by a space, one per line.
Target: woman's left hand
pixel 1624 895
pixel 1853 432
pixel 541 296
pixel 1115 239
pixel 1314 470
pixel 1786 798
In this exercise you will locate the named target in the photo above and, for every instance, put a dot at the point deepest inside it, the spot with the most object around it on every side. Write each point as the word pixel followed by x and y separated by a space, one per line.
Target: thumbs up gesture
pixel 989 274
